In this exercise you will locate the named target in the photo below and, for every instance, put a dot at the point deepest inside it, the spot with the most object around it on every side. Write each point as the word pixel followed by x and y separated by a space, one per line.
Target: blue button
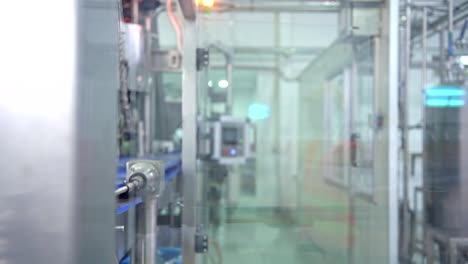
pixel 233 152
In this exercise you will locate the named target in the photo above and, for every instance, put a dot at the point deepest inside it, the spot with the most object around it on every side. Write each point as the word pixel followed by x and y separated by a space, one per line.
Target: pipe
pixel 135 12
pixel 148 124
pixel 135 184
pixel 175 24
pixel 423 123
pixel 141 139
pixel 122 190
pixel 146 231
pixel 128 124
pixel 277 9
pixel 463 30
pixel 150 91
pixel 441 23
pixel 450 15
pixel 451 44
pixel 273 69
pixel 284 51
pixel 405 244
pixel 229 97
pixel 149 179
pixel 424 63
pixel 442 57
pixel 405 96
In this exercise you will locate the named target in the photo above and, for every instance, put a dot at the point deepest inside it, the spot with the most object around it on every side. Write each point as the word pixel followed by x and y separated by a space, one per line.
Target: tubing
pixel 175 24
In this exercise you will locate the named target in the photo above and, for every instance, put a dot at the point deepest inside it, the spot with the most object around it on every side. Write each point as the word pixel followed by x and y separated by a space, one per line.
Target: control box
pixel 230 140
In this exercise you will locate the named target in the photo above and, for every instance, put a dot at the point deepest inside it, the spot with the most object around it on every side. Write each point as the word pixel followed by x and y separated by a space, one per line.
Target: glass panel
pixel 302 86
pixel 364 119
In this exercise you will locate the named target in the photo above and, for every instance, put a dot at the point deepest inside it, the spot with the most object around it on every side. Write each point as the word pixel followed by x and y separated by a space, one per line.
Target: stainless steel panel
pixel 58 115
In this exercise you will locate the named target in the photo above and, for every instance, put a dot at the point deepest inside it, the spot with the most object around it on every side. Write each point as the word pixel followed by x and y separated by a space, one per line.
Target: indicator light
pixel 205 3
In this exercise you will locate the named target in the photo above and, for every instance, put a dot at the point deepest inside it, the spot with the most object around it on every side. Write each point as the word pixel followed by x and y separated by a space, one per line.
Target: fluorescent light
pixel 444 103
pixel 210 83
pixel 223 84
pixel 445 91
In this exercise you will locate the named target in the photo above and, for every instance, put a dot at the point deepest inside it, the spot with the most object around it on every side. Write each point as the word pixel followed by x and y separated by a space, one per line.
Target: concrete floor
pixel 262 244
pixel 259 236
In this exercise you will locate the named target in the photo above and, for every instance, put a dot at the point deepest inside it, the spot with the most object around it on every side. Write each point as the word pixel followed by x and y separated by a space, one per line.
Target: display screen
pixel 230 136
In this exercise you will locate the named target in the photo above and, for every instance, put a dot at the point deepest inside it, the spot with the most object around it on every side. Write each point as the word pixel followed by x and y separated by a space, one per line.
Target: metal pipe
pixel 405 96
pixel 424 63
pixel 278 9
pixel 230 90
pixel 146 231
pixel 176 24
pixel 150 95
pixel 148 125
pixel 121 190
pixel 405 246
pixel 135 184
pixel 283 51
pixel 441 23
pixel 450 15
pixel 435 3
pixel 451 44
pixel 273 69
pixel 148 178
pixel 390 103
pixel 141 139
pixel 277 112
pixel 442 56
pixel 135 11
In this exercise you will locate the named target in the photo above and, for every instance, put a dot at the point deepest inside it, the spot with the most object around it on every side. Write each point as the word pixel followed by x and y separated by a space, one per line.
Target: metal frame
pixel 189 144
pixel 393 18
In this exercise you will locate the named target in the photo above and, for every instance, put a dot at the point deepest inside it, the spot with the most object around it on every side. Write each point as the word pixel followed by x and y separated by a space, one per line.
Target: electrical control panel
pixel 229 140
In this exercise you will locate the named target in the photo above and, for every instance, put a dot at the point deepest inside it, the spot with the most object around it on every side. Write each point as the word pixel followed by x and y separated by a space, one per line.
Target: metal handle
pixel 354 149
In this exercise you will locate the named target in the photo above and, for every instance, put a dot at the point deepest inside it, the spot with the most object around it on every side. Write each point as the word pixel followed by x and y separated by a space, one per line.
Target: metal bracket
pixel 201 241
pixel 166 61
pixel 150 172
pixel 203 58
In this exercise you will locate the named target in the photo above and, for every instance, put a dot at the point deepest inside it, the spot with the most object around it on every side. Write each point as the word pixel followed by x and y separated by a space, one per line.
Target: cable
pixel 123 74
pixel 175 24
pixel 462 33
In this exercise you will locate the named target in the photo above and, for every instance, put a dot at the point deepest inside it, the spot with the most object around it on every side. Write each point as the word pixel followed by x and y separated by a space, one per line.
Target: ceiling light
pixel 464 60
pixel 223 84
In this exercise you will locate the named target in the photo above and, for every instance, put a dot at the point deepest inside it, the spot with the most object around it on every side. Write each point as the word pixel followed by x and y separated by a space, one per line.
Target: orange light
pixel 207 3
